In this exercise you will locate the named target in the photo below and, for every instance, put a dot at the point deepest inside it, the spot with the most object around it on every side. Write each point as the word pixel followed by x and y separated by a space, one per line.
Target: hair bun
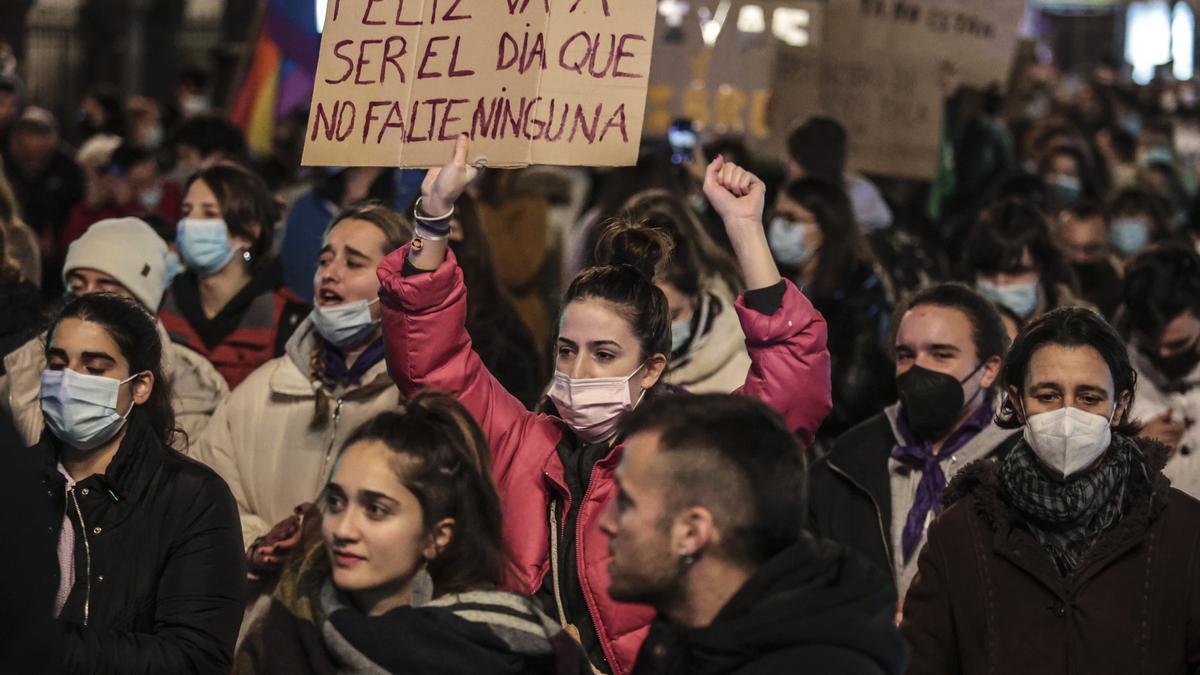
pixel 636 245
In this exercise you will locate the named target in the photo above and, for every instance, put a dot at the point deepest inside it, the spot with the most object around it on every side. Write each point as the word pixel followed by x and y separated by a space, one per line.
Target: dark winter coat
pixel 814 608
pixel 159 567
pixel 988 599
pixel 850 492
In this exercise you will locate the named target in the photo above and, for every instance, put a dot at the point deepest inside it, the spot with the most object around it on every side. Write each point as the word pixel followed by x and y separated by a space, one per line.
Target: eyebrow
pixel 372 495
pixel 602 343
pixel 947 347
pixel 88 356
pixel 351 251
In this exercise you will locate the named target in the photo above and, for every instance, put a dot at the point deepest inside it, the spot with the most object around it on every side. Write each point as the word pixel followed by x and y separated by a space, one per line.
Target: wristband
pixel 418 211
pixel 423 231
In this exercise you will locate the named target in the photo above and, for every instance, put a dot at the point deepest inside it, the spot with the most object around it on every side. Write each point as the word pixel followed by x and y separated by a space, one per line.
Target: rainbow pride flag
pixel 281 71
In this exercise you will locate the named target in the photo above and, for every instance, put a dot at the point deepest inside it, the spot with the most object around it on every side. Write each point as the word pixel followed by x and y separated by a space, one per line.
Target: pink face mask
pixel 593 406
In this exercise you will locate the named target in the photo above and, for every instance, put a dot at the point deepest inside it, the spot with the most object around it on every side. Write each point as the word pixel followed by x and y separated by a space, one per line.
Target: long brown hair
pixel 442 457
pixel 843 246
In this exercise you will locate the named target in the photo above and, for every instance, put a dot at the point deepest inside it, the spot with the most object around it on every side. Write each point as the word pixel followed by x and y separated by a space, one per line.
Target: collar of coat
pixel 981 481
pixel 298 379
pixel 130 471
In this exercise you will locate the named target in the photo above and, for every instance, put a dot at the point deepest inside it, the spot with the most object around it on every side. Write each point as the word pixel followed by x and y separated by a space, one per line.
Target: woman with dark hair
pixel 1068 554
pixel 555 471
pixel 500 337
pixel 1012 260
pixel 230 305
pixel 818 245
pixel 276 438
pixel 150 575
pixel 701 283
pixel 411 548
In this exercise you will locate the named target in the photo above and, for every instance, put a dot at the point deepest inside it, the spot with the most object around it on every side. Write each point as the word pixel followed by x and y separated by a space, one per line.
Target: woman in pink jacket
pixel 555 472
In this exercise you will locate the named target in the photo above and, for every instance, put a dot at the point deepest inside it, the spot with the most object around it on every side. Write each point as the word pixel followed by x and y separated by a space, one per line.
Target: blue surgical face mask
pixel 345 325
pixel 174 267
pixel 1129 235
pixel 1062 190
pixel 203 244
pixel 786 239
pixel 81 410
pixel 1021 298
pixel 681 333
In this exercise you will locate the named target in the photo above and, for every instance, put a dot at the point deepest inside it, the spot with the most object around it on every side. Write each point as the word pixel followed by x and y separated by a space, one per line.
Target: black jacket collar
pixel 129 473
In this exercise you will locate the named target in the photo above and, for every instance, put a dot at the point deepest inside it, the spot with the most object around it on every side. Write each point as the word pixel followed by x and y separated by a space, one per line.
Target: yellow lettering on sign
pixel 760 102
pixel 695 104
pixel 728 108
pixel 658 109
pixel 700 61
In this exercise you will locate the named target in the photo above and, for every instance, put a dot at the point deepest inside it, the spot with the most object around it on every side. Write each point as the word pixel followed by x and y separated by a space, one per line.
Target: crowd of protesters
pixel 729 413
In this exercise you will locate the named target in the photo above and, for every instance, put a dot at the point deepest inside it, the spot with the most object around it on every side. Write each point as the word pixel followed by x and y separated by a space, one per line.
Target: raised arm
pixel 439 191
pixel 738 197
pixel 785 335
pixel 424 306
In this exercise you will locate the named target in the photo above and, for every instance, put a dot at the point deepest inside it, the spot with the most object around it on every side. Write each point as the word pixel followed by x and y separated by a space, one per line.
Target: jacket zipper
pixel 333 426
pixel 887 546
pixel 87 553
pixel 587 600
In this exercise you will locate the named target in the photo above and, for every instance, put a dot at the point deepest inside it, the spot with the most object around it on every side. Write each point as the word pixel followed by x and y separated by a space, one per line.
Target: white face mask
pixel 1068 440
pixel 592 407
pixel 786 239
pixel 345 325
pixel 81 410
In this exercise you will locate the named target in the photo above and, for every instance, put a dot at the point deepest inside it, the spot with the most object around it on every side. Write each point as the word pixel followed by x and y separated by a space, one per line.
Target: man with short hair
pixel 707 526
pixel 126 257
pixel 1162 319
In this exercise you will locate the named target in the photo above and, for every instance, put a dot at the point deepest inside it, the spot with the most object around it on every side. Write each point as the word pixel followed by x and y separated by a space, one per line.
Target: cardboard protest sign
pixel 531 81
pixel 880 72
pixel 714 61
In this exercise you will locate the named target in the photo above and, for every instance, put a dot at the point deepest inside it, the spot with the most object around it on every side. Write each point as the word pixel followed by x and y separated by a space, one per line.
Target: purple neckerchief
pixel 335 363
pixel 917 454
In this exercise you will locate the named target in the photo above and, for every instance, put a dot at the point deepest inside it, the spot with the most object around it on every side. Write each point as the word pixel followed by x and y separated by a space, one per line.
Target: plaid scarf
pixel 1068 516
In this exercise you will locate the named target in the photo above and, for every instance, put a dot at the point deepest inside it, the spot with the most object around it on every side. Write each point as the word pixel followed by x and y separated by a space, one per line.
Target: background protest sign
pixel 532 82
pixel 714 62
pixel 880 72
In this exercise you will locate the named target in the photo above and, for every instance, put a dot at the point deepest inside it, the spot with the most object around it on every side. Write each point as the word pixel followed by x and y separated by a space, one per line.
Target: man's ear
pixel 694 532
pixel 991 371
